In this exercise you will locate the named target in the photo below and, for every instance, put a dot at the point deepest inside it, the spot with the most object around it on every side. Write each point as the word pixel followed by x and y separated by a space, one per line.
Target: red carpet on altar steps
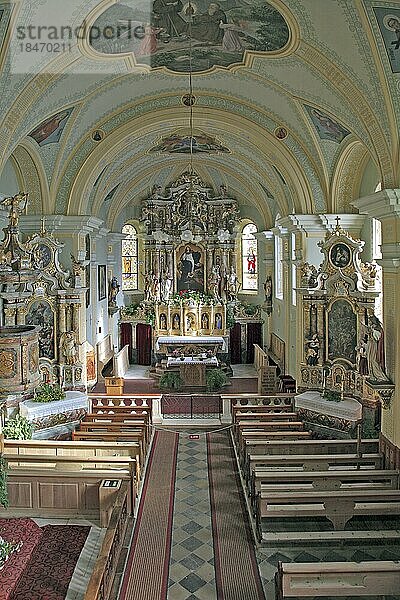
pixel 43 568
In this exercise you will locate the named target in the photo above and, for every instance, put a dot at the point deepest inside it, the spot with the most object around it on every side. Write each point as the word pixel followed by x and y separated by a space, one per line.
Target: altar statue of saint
pixel 232 285
pixel 312 352
pixel 376 350
pixel 68 348
pixel 113 291
pixel 166 286
pixel 214 283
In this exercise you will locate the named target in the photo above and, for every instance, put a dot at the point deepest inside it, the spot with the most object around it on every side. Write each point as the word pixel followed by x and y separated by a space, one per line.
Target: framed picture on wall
pixel 102 281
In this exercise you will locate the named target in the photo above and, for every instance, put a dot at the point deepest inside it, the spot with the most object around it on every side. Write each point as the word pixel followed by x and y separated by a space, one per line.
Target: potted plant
pixel 18 428
pixel 170 381
pixel 6 549
pixel 215 379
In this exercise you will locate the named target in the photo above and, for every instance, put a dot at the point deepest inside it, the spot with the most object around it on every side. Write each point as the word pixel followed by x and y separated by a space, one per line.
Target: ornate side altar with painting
pixel 343 340
pixel 37 293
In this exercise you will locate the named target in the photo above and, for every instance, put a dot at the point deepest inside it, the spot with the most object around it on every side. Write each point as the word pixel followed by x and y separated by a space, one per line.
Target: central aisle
pixel 211 553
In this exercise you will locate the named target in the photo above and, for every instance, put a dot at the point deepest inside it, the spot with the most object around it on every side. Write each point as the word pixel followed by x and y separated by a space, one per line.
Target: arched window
pixel 129 258
pixel 249 258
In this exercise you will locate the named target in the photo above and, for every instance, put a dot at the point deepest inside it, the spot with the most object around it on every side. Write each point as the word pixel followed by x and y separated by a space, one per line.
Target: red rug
pixel 147 567
pixel 236 571
pixel 50 568
pixel 17 530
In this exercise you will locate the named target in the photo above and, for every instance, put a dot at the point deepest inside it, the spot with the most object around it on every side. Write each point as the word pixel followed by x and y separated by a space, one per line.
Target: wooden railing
pixel 131 401
pixel 101 581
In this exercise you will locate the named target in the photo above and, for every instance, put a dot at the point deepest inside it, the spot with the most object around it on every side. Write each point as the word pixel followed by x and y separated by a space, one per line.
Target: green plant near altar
pixel 18 428
pixel 187 296
pixel 215 380
pixel 171 381
pixel 48 393
pixel 140 311
pixel 3 482
pixel 332 396
pixel 6 549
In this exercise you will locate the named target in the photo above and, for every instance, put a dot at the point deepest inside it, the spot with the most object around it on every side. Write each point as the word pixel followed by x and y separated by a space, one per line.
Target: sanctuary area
pixel 199 299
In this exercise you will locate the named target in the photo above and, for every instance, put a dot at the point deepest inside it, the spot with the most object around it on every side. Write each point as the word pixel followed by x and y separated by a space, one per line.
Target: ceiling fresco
pixel 181 142
pixel 181 35
pixel 327 76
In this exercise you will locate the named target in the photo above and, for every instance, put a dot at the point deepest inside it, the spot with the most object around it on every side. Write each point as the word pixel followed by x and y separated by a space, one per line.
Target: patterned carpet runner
pixel 146 573
pixel 236 570
pixel 52 563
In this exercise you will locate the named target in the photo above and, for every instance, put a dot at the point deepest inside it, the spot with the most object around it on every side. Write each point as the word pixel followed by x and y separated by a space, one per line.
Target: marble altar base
pixel 329 419
pixel 47 414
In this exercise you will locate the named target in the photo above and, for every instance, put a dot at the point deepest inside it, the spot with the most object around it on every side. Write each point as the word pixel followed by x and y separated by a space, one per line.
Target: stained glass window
pixel 129 258
pixel 249 258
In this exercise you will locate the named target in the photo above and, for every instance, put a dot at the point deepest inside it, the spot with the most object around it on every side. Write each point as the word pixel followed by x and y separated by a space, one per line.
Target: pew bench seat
pixel 263 481
pixel 294 580
pixel 310 462
pixel 338 506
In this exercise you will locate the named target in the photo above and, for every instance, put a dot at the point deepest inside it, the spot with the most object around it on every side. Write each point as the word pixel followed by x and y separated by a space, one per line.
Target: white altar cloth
pixel 348 409
pixel 176 362
pixel 73 400
pixel 190 339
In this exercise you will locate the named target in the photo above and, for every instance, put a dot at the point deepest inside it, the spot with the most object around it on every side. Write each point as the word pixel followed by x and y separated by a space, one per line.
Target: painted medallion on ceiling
pixel 389 24
pixel 161 33
pixel 181 142
pixel 327 128
pixel 50 131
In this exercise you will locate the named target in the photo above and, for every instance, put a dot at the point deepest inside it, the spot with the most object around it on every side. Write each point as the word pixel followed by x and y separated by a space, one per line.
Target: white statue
pixel 232 285
pixel 166 287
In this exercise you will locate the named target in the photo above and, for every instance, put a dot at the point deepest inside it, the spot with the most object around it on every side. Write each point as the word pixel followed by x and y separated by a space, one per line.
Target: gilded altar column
pixel 9 315
pixel 385 206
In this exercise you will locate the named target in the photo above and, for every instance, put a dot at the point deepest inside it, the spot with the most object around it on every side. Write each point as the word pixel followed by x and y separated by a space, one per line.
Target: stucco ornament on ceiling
pixel 199 34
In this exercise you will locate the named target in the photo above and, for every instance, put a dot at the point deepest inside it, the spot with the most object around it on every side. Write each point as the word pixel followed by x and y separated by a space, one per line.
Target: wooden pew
pixel 265 416
pixel 112 436
pixel 263 481
pixel 120 417
pixel 338 506
pixel 335 579
pixel 124 426
pixel 264 436
pixel 47 493
pixel 310 462
pixel 114 466
pixel 74 448
pixel 307 446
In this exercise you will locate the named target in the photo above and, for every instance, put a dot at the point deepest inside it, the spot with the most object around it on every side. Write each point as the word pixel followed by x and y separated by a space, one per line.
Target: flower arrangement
pixel 140 311
pixel 48 393
pixel 188 296
pixel 215 380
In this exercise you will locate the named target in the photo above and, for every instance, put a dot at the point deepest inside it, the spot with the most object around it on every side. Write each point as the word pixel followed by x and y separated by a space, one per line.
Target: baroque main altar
pixel 189 269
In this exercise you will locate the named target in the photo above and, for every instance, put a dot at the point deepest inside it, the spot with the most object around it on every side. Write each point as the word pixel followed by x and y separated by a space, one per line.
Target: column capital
pixel 381 205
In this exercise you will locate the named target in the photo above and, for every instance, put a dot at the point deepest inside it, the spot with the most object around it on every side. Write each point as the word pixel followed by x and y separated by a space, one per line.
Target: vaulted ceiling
pixel 310 124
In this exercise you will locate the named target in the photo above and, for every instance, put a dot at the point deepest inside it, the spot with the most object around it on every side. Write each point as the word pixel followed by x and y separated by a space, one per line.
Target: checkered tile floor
pixel 191 574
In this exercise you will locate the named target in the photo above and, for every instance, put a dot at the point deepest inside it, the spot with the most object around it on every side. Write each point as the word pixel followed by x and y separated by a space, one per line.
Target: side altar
pixel 343 340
